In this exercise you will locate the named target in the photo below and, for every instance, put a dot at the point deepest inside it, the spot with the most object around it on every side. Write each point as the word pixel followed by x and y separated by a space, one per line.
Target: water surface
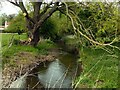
pixel 57 74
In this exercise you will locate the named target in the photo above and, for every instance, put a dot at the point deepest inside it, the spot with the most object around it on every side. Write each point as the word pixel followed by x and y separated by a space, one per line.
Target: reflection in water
pixel 55 76
pixel 59 73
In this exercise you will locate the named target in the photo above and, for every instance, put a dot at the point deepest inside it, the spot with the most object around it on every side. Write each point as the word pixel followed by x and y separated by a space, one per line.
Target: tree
pixel 5 17
pixel 100 19
pixel 80 28
pixel 17 24
pixel 41 12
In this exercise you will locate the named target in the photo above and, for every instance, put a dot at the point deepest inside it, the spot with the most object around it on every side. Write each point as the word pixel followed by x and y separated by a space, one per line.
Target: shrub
pixel 17 25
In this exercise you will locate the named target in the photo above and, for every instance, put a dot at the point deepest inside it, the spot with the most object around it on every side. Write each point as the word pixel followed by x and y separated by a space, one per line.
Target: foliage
pixel 17 24
pixel 100 20
pixel 56 26
pixel 5 17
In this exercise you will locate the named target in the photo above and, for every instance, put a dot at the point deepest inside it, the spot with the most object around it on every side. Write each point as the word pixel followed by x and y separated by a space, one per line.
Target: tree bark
pixel 39 23
pixel 35 38
pixel 35 22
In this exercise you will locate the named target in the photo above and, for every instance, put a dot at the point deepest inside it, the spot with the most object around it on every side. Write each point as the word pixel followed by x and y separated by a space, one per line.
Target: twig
pixel 88 71
pixel 59 79
pixel 75 73
pixel 21 66
pixel 35 84
pixel 50 81
pixel 11 41
pixel 89 39
pixel 64 76
pixel 99 75
pixel 110 52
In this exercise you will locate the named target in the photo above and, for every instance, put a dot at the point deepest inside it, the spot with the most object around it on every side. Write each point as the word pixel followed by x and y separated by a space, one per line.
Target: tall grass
pixel 100 69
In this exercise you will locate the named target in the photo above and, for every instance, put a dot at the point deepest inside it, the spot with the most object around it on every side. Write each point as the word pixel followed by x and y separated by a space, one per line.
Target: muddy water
pixel 57 74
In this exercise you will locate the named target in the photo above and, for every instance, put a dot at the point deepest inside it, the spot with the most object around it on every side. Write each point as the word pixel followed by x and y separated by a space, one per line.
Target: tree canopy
pixel 96 22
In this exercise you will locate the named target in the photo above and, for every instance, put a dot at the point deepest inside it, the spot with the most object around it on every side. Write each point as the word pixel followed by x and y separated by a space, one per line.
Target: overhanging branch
pixel 14 3
pixel 45 16
pixel 89 39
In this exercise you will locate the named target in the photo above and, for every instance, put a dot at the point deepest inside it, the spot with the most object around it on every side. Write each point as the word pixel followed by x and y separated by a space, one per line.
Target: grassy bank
pixel 100 68
pixel 10 51
pixel 18 59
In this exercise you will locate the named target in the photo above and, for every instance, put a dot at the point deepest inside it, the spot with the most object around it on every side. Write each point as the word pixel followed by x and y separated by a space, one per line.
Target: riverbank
pixel 19 59
pixel 100 67
pixel 24 62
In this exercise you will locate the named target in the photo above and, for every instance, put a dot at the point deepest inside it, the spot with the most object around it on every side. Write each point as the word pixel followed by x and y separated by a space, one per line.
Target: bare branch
pixel 45 9
pixel 22 7
pixel 89 39
pixel 36 6
pixel 45 16
pixel 14 3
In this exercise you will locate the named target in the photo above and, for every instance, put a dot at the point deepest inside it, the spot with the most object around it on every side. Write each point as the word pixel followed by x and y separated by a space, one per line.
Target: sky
pixel 8 8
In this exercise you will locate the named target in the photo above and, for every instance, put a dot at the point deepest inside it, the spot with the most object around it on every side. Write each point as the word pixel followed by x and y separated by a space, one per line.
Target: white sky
pixel 8 8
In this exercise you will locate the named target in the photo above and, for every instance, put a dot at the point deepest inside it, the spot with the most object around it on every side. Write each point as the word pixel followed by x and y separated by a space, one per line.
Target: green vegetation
pixel 90 28
pixel 100 69
pixel 5 17
pixel 55 26
pixel 17 24
pixel 96 22
pixel 8 52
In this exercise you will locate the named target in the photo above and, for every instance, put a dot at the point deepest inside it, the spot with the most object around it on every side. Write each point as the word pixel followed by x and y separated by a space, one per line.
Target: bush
pixel 56 26
pixel 100 19
pixel 17 25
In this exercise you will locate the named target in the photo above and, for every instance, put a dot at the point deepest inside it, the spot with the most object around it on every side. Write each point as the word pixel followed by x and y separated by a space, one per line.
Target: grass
pixel 6 37
pixel 7 53
pixel 100 69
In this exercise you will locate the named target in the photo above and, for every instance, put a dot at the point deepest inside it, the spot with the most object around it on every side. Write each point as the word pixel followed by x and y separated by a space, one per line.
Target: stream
pixel 56 74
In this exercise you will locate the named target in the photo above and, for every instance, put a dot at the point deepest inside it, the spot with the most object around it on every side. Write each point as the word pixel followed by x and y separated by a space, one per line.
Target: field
pixel 100 68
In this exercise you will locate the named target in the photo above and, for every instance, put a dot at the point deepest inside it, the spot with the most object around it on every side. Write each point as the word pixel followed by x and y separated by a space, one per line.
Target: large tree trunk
pixel 35 38
pixel 33 33
pixel 38 18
